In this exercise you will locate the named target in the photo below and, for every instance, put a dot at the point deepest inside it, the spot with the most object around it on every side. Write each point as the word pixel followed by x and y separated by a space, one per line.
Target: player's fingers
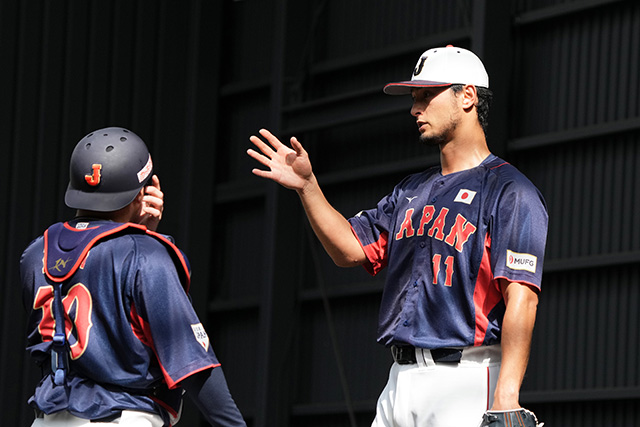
pixel 275 142
pixel 152 210
pixel 153 202
pixel 155 181
pixel 297 146
pixel 262 146
pixel 151 214
pixel 154 192
pixel 261 173
pixel 259 157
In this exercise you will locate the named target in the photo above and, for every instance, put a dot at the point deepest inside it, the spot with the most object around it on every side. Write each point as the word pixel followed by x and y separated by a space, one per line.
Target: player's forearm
pixel 331 227
pixel 209 392
pixel 517 330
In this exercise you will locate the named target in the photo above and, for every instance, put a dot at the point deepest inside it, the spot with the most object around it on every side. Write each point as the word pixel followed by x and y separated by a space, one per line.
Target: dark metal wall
pixel 296 334
pixel 577 133
pixel 69 67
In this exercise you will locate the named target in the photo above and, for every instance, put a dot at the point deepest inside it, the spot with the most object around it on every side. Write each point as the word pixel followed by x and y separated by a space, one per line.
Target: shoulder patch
pixel 201 335
pixel 521 261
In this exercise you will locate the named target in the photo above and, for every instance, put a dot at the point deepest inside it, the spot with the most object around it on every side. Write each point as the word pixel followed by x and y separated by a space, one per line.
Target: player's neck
pixel 122 215
pixel 462 154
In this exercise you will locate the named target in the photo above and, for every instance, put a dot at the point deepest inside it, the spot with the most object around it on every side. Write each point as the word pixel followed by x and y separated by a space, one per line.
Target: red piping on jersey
pixel 488 387
pixel 501 164
pixel 147 339
pixel 376 253
pixel 166 407
pixel 142 331
pixel 199 370
pixel 486 294
pixel 140 328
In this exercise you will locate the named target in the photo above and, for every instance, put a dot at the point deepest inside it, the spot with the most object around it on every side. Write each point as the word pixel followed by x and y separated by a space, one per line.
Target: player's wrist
pixel 309 186
pixel 505 401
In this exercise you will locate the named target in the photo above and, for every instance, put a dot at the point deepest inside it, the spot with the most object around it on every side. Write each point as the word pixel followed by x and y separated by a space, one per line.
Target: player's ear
pixel 469 96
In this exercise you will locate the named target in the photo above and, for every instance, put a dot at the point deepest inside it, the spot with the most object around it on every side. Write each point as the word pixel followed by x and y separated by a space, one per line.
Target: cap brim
pixel 98 202
pixel 404 88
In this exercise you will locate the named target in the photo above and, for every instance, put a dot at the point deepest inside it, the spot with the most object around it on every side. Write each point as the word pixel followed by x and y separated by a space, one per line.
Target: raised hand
pixel 289 167
pixel 152 205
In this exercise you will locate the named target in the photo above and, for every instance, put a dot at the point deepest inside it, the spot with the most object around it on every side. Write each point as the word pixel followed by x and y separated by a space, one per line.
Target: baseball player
pixel 463 244
pixel 110 320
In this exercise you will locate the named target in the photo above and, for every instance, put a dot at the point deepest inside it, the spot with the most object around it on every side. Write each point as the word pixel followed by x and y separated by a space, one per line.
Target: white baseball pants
pixel 429 394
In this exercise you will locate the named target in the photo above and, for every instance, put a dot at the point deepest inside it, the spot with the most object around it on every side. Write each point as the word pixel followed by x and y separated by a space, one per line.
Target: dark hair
pixel 484 102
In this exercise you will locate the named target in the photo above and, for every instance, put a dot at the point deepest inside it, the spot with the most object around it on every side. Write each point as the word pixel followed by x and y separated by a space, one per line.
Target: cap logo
pixel 418 68
pixel 94 178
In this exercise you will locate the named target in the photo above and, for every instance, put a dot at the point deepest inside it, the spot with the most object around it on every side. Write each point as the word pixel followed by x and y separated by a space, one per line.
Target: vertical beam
pixel 492 42
pixel 278 296
pixel 201 121
pixel 201 113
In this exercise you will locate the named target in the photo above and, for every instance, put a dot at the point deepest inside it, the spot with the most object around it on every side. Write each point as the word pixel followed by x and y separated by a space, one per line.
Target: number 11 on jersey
pixel 437 259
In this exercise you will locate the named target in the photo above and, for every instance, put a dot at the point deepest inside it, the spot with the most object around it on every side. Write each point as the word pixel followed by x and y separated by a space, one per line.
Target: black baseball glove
pixel 514 418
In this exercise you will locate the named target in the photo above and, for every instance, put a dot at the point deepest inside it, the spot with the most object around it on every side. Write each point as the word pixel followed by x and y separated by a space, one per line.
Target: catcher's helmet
pixel 107 170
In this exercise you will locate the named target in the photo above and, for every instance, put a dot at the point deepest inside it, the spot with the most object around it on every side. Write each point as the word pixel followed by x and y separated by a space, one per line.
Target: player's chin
pixel 430 140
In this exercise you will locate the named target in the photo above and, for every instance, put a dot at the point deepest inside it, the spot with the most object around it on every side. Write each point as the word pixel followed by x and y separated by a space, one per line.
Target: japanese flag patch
pixel 465 196
pixel 518 261
pixel 201 335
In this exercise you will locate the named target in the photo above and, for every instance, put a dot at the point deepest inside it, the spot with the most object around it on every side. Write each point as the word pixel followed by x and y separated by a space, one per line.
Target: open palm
pixel 289 167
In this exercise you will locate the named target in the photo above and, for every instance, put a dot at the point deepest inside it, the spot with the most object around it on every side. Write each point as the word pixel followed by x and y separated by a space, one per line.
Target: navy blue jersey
pixel 132 332
pixel 446 240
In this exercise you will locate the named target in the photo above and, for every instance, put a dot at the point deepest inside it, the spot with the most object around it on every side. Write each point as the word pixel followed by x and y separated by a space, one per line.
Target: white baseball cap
pixel 443 66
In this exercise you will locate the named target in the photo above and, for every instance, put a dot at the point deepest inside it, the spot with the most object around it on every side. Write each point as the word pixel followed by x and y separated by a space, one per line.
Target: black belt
pixel 406 354
pixel 107 419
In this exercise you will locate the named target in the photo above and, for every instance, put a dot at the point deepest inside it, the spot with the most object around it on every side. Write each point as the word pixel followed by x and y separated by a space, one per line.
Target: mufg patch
pixel 518 261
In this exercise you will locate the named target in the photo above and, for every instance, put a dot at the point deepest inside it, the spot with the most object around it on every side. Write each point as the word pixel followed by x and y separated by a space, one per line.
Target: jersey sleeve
pixel 30 259
pixel 31 265
pixel 371 227
pixel 518 233
pixel 163 315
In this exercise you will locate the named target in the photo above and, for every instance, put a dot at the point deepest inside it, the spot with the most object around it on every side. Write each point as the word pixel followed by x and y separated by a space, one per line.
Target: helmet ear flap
pixel 108 168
